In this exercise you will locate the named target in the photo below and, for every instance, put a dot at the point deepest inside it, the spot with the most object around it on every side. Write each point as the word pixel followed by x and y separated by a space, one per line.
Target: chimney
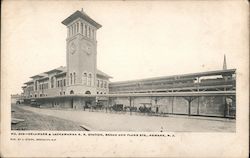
pixel 224 63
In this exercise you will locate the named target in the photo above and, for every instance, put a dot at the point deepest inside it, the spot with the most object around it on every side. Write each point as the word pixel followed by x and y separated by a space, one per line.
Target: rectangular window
pixel 93 35
pixel 98 83
pixel 77 27
pixel 64 82
pixel 85 30
pixel 52 82
pixel 101 84
pixel 89 32
pixel 81 28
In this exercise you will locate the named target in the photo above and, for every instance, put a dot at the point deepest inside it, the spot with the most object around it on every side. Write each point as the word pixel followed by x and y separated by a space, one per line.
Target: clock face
pixel 72 48
pixel 86 47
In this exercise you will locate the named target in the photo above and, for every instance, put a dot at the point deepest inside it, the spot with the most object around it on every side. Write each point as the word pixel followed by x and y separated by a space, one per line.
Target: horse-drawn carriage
pixel 145 108
pixel 96 106
pixel 130 108
pixel 117 107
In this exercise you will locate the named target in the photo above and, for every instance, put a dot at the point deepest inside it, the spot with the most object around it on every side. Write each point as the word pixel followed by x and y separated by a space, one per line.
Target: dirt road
pixel 101 121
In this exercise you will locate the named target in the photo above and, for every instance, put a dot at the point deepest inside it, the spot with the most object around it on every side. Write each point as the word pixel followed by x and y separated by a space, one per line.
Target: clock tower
pixel 81 53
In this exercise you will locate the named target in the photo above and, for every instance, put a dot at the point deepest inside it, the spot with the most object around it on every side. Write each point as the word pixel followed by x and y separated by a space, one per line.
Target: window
pixel 89 80
pixel 105 84
pixel 61 83
pixel 81 28
pixel 85 30
pixel 64 82
pixel 35 85
pixel 84 79
pixel 77 27
pixel 89 32
pixel 93 35
pixel 52 82
pixel 71 78
pixel 101 84
pixel 98 83
pixel 92 32
pixel 74 29
pixel 46 86
pixel 74 78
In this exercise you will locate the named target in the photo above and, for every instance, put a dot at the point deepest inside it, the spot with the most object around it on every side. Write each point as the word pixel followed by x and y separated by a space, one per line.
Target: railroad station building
pixel 80 82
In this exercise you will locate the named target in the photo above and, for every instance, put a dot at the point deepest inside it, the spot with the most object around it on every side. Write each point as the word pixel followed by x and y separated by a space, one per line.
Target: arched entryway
pixel 71 92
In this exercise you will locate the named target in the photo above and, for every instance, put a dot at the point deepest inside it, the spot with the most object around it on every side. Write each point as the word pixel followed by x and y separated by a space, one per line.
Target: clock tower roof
pixel 80 14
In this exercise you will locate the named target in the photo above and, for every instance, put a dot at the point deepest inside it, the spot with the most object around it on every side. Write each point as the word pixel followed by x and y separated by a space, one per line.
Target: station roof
pixel 80 14
pixel 61 74
pixel 173 77
pixel 62 70
pixel 99 72
pixel 44 78
pixel 59 69
pixel 31 81
pixel 39 75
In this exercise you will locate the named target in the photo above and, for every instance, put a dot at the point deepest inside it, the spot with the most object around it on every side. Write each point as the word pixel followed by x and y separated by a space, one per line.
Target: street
pixel 101 121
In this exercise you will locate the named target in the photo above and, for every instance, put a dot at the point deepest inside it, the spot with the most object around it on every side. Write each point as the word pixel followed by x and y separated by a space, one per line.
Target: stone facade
pixel 81 75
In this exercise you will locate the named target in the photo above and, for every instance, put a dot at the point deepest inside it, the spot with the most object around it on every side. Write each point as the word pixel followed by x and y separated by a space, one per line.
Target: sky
pixel 137 39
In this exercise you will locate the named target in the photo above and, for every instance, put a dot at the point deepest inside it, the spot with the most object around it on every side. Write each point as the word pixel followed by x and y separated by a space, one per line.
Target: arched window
pixel 87 92
pixel 71 92
pixel 74 78
pixel 84 79
pixel 71 78
pixel 89 80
